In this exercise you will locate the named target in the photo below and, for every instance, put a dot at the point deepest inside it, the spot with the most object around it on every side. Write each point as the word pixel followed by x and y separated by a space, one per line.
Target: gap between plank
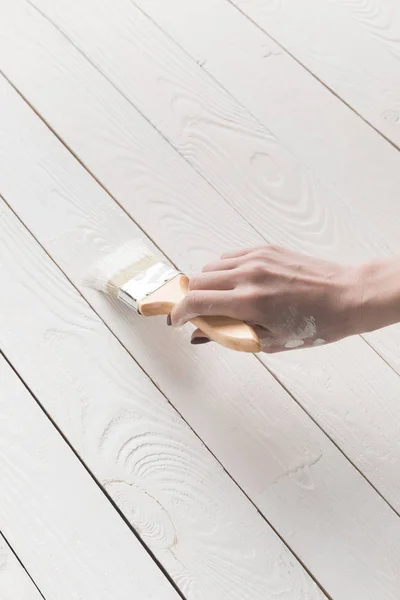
pixel 331 90
pixel 10 546
pixel 69 149
pixel 328 596
pixel 327 434
pixel 96 481
pixel 296 556
pixel 176 150
pixel 121 93
pixel 141 228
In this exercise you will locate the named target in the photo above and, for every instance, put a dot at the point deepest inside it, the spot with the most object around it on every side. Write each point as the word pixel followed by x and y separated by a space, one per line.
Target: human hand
pixel 292 300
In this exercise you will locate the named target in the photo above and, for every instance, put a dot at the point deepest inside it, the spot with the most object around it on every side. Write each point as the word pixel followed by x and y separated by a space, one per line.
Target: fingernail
pixel 199 340
pixel 169 322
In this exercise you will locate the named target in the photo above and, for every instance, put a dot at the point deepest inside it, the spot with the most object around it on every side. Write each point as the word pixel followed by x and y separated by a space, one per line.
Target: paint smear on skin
pixel 294 343
pixel 319 342
pixel 308 328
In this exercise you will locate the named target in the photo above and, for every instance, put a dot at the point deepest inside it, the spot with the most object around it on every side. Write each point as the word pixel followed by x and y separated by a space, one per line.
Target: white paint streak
pixel 319 342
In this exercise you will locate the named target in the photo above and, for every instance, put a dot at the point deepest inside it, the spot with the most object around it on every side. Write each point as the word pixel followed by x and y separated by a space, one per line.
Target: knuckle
pixel 260 267
pixel 244 271
pixel 268 251
pixel 247 296
pixel 256 269
pixel 261 252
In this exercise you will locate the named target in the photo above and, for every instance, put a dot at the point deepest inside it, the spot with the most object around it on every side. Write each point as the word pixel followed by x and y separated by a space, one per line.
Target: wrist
pixel 379 295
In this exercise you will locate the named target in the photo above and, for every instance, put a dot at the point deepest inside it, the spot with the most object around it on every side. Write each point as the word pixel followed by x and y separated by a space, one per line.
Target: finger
pixel 246 251
pixel 237 253
pixel 211 281
pixel 202 302
pixel 222 265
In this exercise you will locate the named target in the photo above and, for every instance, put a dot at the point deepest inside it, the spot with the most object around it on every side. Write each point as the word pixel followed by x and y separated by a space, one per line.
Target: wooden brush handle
pixel 228 332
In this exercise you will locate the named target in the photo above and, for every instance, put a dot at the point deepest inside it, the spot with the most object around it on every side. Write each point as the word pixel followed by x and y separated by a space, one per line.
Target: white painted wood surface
pixel 353 46
pixel 66 532
pixel 14 580
pixel 186 509
pixel 273 190
pixel 335 192
pixel 294 474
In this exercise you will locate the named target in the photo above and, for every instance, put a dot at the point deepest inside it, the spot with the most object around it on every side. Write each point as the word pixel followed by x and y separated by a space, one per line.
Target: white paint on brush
pixel 319 342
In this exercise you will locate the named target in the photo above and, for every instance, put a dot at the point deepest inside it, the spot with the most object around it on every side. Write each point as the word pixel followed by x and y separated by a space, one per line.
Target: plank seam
pixel 162 252
pixel 42 118
pixel 176 150
pixel 91 475
pixel 160 390
pixel 296 556
pixel 326 86
pixel 327 434
pixel 133 219
pixel 11 547
pixel 121 93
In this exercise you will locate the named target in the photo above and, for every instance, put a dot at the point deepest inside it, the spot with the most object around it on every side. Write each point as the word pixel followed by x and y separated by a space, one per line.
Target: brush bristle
pixel 114 269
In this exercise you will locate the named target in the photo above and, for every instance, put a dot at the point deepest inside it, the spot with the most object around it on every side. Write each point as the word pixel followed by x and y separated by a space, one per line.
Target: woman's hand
pixel 292 300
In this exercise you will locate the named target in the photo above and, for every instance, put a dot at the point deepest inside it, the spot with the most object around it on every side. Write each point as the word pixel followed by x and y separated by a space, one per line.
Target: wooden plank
pixel 300 212
pixel 351 45
pixel 186 509
pixel 285 463
pixel 332 183
pixel 68 535
pixel 14 580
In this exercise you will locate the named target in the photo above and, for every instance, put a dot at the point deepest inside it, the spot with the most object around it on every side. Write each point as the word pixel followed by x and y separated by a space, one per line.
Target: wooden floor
pixel 133 465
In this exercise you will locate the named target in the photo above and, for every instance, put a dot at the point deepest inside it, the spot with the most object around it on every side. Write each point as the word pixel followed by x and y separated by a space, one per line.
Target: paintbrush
pixel 135 275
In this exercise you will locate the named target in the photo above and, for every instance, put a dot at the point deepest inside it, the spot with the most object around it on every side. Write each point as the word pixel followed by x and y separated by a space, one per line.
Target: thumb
pixel 201 302
pixel 185 310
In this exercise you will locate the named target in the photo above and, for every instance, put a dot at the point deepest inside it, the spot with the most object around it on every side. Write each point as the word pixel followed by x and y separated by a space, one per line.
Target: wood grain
pixel 14 580
pixel 283 461
pixel 68 535
pixel 352 46
pixel 276 192
pixel 340 205
pixel 186 509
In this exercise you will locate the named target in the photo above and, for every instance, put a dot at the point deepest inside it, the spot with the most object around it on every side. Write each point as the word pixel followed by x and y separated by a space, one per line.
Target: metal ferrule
pixel 146 283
